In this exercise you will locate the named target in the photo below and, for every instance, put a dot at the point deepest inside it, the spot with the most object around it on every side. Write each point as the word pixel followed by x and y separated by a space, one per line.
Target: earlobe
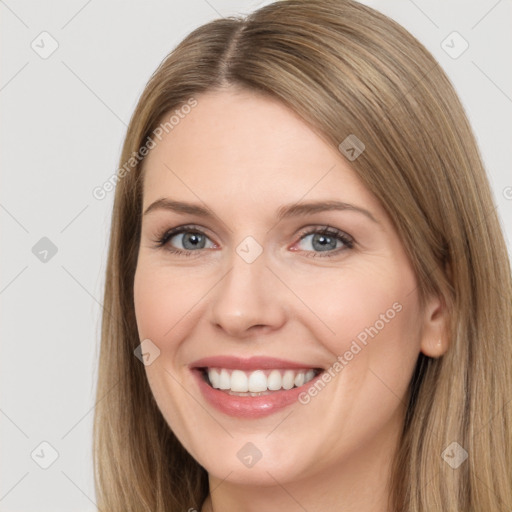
pixel 434 335
pixel 434 348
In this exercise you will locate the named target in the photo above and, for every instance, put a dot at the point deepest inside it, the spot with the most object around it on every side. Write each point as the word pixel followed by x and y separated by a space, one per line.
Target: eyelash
pixel 162 239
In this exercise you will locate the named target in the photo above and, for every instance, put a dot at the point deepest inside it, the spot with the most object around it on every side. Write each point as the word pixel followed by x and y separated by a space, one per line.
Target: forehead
pixel 244 146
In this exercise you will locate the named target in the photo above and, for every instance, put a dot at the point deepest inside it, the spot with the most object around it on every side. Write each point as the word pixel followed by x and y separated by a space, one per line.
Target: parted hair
pixel 345 69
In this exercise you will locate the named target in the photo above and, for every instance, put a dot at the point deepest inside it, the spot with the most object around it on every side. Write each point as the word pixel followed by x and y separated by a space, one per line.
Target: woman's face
pixel 259 299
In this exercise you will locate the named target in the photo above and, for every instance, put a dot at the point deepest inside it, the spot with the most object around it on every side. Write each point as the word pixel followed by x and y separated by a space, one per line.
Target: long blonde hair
pixel 345 69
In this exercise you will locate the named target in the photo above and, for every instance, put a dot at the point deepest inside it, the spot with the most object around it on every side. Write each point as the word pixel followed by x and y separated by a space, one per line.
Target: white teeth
pixel 239 381
pixel 258 381
pixel 214 378
pixel 224 380
pixel 288 378
pixel 299 379
pixel 274 380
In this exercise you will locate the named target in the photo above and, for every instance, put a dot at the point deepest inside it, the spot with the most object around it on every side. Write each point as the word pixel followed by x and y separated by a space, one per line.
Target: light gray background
pixel 64 119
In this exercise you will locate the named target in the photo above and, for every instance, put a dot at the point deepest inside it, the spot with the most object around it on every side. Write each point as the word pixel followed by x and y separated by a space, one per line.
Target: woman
pixel 308 299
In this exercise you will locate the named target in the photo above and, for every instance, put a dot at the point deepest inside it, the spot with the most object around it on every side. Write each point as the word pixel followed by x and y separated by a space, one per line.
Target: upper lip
pixel 251 363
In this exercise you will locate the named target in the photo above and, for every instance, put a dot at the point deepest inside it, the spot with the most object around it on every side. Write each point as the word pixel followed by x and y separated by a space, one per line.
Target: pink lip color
pixel 251 363
pixel 247 406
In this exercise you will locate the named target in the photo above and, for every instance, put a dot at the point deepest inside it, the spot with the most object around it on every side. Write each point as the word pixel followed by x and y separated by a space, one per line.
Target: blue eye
pixel 190 239
pixel 325 241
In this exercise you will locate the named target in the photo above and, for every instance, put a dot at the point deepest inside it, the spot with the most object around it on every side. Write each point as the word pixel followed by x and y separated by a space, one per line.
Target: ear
pixel 434 332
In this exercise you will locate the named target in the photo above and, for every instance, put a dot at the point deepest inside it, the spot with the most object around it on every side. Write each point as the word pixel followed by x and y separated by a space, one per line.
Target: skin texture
pixel 243 156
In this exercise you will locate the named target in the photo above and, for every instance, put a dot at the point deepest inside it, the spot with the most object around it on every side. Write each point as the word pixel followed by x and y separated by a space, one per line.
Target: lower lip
pixel 249 406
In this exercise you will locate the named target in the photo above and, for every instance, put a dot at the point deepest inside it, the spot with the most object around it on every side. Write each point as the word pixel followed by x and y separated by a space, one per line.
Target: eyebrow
pixel 284 212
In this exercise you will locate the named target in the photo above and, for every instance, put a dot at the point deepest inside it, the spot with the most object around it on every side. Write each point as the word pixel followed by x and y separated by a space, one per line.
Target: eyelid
pixel 326 229
pixel 162 237
pixel 348 240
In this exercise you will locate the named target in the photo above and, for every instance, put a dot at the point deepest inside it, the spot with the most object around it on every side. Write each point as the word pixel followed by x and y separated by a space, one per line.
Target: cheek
pixel 161 315
pixel 370 325
pixel 161 301
pixel 369 315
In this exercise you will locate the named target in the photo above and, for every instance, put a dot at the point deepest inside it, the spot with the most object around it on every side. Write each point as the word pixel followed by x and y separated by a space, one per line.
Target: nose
pixel 248 300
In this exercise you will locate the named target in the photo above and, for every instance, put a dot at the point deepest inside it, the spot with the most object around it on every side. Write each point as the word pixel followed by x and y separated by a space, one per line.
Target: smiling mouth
pixel 257 382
